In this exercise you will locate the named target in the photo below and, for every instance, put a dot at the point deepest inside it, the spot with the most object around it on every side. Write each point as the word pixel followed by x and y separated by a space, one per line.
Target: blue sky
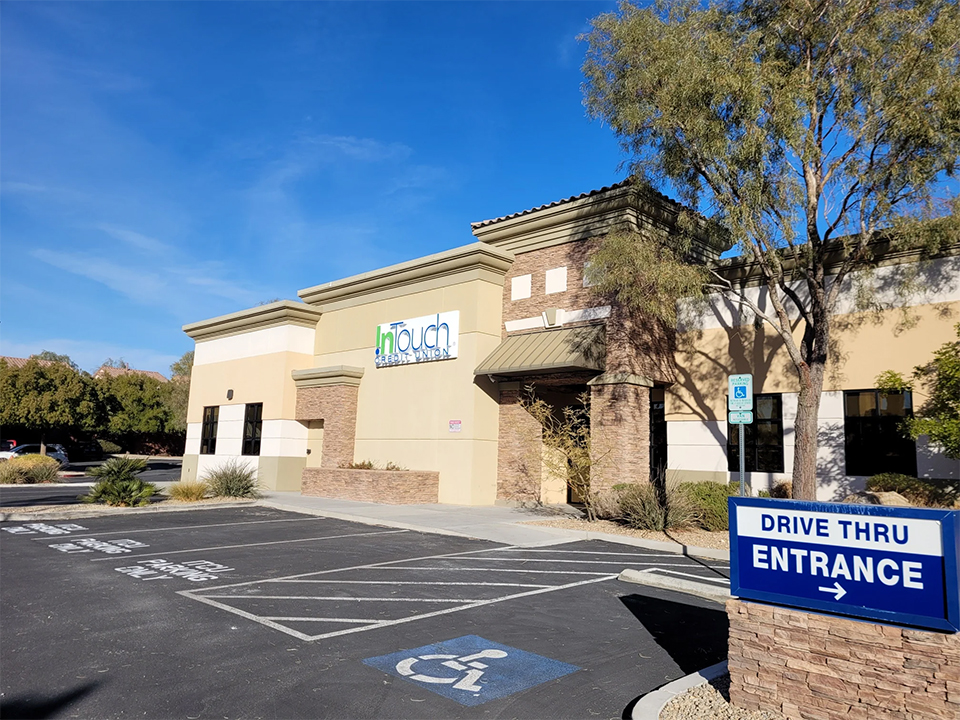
pixel 163 163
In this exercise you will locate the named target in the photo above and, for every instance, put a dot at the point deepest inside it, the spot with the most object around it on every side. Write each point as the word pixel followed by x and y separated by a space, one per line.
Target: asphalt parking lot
pixel 254 612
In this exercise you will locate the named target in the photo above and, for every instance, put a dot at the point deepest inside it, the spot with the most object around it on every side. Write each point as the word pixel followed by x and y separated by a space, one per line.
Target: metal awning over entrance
pixel 563 350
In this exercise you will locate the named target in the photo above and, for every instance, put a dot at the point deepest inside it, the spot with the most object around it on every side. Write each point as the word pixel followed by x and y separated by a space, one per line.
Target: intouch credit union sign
pixel 893 564
pixel 422 339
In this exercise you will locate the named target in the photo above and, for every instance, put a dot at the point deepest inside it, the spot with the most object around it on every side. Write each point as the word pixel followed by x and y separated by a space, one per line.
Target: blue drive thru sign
pixel 893 564
pixel 470 669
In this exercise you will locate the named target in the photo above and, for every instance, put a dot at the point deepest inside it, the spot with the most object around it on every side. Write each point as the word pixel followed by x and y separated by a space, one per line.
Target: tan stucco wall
pixel 404 411
pixel 866 343
pixel 262 378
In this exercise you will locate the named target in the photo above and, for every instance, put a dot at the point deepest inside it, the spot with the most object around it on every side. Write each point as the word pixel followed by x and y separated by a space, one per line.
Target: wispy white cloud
pixel 90 355
pixel 150 245
pixel 362 149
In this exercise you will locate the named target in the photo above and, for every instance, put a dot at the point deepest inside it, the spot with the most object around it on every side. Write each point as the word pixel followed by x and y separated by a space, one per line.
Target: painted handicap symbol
pixel 470 663
pixel 471 670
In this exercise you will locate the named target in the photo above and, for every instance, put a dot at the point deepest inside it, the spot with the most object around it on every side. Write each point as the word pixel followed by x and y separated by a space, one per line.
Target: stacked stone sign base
pixel 394 487
pixel 818 667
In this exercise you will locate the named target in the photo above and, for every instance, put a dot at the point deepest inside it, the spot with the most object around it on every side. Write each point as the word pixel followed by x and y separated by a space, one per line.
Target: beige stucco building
pixel 422 365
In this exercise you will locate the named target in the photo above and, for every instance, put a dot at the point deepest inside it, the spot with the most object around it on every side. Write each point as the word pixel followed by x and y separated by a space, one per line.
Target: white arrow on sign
pixel 837 589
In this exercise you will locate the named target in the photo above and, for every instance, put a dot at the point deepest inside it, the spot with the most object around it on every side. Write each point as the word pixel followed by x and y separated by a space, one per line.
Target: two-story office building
pixel 422 365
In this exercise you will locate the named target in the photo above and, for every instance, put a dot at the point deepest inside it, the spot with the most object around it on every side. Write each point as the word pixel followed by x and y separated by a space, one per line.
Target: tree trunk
pixel 43 443
pixel 805 434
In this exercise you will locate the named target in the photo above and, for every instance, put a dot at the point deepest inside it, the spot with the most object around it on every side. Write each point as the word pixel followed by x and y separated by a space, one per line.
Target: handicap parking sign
pixel 471 670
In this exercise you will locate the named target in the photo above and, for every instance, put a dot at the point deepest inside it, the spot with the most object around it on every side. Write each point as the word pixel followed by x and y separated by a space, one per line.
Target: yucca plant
pixel 118 468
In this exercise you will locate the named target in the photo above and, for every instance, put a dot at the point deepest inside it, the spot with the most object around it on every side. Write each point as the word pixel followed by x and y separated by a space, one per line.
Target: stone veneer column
pixel 330 395
pixel 519 463
pixel 619 430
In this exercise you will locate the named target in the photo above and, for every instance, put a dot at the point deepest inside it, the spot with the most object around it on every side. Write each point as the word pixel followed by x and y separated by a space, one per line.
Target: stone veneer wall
pixel 620 435
pixel 336 405
pixel 535 263
pixel 817 667
pixel 393 487
pixel 519 463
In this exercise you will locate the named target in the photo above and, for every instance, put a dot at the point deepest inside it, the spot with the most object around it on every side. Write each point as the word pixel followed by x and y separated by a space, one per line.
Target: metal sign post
pixel 740 412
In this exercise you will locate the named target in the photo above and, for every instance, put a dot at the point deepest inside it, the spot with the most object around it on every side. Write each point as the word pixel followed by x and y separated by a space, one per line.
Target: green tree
pixel 136 404
pixel 48 398
pixel 119 363
pixel 179 392
pixel 939 416
pixel 796 126
pixel 51 356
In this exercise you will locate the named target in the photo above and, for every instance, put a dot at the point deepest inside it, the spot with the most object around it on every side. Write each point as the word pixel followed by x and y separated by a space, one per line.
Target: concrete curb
pixel 690 587
pixel 650 705
pixel 104 511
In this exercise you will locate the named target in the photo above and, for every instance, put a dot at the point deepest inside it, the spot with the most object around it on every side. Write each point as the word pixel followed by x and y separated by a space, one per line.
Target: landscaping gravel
pixel 709 702
pixel 693 538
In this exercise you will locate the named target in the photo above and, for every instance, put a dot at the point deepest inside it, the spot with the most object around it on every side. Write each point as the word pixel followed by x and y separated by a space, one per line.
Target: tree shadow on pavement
pixel 694 637
pixel 35 706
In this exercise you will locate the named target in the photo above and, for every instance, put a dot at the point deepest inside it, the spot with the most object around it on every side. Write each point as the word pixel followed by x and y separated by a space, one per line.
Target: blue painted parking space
pixel 471 670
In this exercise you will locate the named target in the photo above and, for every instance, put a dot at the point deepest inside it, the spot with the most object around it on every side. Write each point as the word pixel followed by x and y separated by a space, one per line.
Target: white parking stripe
pixel 584 552
pixel 502 570
pixel 577 562
pixel 345 599
pixel 384 623
pixel 410 582
pixel 330 620
pixel 722 581
pixel 369 566
pixel 192 527
pixel 231 547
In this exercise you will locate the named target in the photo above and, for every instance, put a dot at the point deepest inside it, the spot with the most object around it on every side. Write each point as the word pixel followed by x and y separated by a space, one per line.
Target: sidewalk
pixel 495 523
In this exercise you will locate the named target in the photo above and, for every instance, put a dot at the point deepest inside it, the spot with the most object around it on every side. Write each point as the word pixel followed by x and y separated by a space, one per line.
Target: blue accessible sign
pixel 896 565
pixel 471 670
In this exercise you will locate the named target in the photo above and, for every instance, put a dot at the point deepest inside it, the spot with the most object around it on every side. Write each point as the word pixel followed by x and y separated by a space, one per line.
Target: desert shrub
pixel 12 474
pixel 118 468
pixel 109 447
pixel 929 493
pixel 370 465
pixel 709 500
pixel 189 490
pixel 657 506
pixel 118 485
pixel 29 469
pixel 606 503
pixel 233 479
pixel 782 490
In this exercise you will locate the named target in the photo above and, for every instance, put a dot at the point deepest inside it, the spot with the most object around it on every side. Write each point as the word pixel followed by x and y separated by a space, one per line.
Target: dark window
pixel 658 435
pixel 763 439
pixel 252 425
pixel 208 433
pixel 873 442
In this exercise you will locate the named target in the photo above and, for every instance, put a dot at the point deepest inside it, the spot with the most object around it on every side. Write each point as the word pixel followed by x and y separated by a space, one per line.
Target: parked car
pixel 53 450
pixel 85 450
pixel 7 445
